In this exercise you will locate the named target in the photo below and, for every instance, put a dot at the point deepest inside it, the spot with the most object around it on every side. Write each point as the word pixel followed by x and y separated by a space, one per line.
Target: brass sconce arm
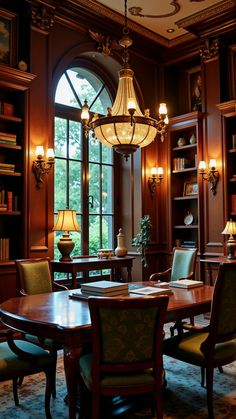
pixel 42 167
pixel 211 175
pixel 155 179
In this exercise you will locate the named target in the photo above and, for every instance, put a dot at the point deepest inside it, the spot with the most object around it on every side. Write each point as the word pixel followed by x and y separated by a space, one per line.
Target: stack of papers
pixel 151 291
pixel 186 283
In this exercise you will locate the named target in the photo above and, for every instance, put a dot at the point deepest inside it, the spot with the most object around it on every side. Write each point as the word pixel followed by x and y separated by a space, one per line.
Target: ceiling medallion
pixel 136 11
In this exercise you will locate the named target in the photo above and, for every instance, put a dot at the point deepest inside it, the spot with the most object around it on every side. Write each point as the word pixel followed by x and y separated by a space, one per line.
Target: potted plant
pixel 143 238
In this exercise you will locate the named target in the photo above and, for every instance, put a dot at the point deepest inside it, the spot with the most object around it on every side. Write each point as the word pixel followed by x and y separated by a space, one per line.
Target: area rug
pixel 183 399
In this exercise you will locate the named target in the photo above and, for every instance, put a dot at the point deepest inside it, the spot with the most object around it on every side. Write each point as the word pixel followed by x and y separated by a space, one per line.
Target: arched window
pixel 84 168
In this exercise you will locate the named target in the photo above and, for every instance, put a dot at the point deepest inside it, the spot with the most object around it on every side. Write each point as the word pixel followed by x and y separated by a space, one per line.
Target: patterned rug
pixel 183 399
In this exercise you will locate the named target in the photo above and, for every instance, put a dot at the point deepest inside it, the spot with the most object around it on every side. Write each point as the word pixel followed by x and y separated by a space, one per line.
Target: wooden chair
pixel 183 266
pixel 19 358
pixel 127 350
pixel 35 277
pixel 214 345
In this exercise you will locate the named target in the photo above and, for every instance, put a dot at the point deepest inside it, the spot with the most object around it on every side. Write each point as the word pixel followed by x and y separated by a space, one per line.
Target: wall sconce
pixel 40 166
pixel 230 229
pixel 155 179
pixel 66 221
pixel 211 175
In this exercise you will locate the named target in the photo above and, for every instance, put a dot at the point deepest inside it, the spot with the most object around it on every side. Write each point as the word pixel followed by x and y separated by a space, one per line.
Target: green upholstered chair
pixel 214 345
pixel 35 277
pixel 19 358
pixel 127 350
pixel 183 266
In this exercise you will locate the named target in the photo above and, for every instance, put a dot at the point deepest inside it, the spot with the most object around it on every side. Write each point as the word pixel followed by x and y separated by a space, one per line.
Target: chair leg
pixel 54 356
pixel 202 376
pixel 209 386
pixel 15 393
pixel 48 391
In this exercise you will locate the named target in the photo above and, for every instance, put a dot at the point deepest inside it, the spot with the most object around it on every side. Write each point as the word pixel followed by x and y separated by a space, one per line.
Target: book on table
pixel 104 287
pixel 186 283
pixel 151 291
pixel 79 294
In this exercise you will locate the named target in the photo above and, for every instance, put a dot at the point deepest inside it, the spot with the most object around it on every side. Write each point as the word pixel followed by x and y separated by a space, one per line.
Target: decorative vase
pixel 193 139
pixel 181 142
pixel 120 250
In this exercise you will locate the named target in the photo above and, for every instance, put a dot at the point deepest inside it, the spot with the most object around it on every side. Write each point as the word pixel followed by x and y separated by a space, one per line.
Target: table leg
pixel 71 356
pixel 74 280
pixel 129 270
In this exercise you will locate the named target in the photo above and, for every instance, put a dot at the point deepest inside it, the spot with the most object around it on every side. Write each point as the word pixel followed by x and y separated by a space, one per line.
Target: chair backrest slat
pixel 183 263
pixel 35 275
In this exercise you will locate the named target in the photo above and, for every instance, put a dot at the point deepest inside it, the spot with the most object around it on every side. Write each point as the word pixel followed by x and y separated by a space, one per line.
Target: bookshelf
pixel 185 142
pixel 14 92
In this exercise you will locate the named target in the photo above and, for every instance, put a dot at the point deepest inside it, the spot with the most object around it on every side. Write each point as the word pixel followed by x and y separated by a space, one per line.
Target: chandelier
pixel 126 128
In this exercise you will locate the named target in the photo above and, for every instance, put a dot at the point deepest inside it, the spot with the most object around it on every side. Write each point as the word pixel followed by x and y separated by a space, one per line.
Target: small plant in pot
pixel 143 238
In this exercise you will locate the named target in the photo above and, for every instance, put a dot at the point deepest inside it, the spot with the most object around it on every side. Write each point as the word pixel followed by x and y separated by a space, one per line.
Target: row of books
pixel 4 248
pixel 7 138
pixel 188 243
pixel 7 167
pixel 8 201
pixel 180 163
pixel 7 108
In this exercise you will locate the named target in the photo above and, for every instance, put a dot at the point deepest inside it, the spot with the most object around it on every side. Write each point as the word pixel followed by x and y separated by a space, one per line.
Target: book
pixel 152 291
pixel 9 201
pixel 79 294
pixel 103 287
pixel 186 283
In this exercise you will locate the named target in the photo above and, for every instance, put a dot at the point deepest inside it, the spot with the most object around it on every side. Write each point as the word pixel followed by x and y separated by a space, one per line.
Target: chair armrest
pixel 59 287
pixel 14 348
pixel 158 275
pixel 189 276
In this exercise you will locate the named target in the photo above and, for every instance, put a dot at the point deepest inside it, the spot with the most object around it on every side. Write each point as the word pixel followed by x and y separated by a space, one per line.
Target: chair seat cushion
pixel 11 364
pixel 115 380
pixel 188 348
pixel 41 341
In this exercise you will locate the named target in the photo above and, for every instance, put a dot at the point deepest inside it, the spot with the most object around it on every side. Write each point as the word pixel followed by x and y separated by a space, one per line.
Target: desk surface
pixel 57 316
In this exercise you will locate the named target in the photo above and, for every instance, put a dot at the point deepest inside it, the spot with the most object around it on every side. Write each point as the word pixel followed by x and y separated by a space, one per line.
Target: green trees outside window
pixel 84 170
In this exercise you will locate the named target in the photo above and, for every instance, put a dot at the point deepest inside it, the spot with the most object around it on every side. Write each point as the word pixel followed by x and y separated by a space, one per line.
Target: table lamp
pixel 66 221
pixel 230 229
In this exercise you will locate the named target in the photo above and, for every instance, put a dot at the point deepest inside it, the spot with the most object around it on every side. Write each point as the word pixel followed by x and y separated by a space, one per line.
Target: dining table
pixel 57 316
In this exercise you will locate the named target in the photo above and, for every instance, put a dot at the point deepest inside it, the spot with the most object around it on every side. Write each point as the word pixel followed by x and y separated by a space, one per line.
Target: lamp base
pixel 65 246
pixel 231 246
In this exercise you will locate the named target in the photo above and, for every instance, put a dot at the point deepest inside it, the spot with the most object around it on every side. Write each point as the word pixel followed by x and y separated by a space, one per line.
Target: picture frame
pixel 232 72
pixel 194 89
pixel 190 188
pixel 8 38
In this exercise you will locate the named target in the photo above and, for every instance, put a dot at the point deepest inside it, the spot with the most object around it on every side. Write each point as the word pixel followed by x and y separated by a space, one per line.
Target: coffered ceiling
pixel 163 20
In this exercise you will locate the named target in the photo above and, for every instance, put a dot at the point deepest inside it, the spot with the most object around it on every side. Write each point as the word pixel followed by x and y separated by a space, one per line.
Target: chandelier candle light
pixel 126 128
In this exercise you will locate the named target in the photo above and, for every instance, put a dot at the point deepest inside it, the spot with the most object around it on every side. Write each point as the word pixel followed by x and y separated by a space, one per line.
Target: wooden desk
pixel 54 315
pixel 86 264
pixel 215 261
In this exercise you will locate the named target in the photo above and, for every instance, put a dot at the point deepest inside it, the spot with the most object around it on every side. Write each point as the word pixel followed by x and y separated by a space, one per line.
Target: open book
pixel 186 283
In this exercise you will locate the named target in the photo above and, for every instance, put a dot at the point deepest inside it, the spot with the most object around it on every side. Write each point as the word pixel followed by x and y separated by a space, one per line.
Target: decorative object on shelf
pixel 211 176
pixel 40 166
pixel 192 139
pixel 143 238
pixel 190 188
pixel 155 179
pixel 66 221
pixel 181 142
pixel 22 65
pixel 188 219
pixel 230 229
pixel 105 253
pixel 126 128
pixel 120 250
